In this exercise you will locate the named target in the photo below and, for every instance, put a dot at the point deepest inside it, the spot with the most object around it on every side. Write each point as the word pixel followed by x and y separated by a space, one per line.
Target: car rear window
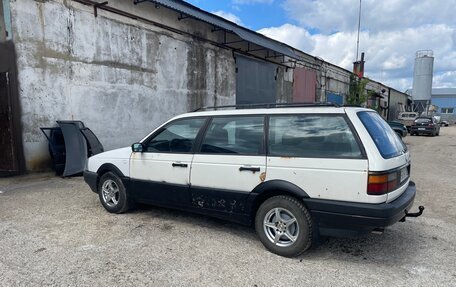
pixel 314 136
pixel 388 143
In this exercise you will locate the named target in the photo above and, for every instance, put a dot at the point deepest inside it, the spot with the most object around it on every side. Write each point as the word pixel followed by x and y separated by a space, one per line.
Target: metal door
pixel 304 85
pixel 7 158
pixel 335 98
pixel 255 81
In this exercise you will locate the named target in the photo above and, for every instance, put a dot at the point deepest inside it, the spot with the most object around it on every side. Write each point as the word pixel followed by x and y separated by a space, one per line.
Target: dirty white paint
pixel 120 77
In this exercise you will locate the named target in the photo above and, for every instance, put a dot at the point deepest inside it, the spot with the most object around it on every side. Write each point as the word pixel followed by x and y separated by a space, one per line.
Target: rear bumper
pixel 91 179
pixel 425 131
pixel 361 216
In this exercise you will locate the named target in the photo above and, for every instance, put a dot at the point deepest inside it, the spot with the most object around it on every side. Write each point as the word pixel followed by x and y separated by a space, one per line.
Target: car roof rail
pixel 269 106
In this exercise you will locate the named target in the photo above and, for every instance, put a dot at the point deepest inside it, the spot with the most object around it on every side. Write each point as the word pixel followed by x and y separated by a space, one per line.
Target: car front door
pixel 160 174
pixel 230 163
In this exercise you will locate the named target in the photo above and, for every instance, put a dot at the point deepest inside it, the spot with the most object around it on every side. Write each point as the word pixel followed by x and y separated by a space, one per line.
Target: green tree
pixel 374 96
pixel 357 91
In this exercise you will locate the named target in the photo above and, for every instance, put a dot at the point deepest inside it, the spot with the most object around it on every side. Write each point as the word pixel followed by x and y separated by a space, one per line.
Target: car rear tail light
pixel 379 184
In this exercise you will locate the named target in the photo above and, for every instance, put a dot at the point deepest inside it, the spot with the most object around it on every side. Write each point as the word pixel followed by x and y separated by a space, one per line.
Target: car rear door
pixel 229 164
pixel 320 153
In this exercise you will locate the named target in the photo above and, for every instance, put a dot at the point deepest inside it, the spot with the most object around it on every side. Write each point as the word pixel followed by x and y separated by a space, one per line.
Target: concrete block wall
pixel 120 77
pixel 284 85
pixel 2 24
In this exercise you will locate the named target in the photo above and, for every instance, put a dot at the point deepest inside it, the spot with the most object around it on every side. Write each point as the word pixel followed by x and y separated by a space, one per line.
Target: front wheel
pixel 112 193
pixel 284 225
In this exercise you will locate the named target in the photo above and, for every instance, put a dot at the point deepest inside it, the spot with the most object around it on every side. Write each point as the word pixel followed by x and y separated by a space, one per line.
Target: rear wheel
pixel 112 193
pixel 284 225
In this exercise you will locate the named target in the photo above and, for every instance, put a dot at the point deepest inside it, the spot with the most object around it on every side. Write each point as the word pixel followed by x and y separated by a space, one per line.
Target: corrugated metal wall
pixel 255 81
pixel 446 102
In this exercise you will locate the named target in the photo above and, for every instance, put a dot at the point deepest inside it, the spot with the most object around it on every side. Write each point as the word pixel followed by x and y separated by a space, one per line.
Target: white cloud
pixel 389 56
pixel 395 62
pixel 291 35
pixel 342 15
pixel 228 16
pixel 444 80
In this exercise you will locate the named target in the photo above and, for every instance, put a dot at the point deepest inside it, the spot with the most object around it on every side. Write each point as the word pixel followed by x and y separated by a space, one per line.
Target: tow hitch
pixel 416 214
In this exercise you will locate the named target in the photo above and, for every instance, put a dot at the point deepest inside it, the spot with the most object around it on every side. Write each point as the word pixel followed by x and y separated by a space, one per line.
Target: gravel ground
pixel 54 231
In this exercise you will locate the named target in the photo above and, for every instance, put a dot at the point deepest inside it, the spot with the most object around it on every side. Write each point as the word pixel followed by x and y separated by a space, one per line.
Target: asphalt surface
pixel 54 231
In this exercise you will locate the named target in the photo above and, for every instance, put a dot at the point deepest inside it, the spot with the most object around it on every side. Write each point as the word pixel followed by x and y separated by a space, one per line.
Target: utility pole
pixel 359 26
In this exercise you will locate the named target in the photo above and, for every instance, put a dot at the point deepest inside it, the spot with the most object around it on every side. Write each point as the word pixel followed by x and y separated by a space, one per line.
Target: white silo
pixel 422 80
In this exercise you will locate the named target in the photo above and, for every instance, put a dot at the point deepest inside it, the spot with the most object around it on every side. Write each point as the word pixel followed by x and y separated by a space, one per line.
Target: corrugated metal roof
pixel 439 92
pixel 244 33
pixel 444 91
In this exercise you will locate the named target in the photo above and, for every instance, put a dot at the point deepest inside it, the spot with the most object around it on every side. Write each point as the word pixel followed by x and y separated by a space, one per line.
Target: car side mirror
pixel 137 147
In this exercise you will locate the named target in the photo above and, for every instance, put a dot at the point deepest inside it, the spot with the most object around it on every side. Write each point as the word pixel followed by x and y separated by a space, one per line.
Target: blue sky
pixel 392 32
pixel 253 15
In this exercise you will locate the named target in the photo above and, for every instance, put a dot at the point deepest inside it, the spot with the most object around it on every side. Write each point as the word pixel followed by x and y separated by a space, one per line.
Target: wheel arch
pixel 107 167
pixel 272 188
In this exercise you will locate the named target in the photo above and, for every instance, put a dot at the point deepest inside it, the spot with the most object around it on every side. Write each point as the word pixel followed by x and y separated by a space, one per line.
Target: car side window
pixel 177 137
pixel 315 136
pixel 234 135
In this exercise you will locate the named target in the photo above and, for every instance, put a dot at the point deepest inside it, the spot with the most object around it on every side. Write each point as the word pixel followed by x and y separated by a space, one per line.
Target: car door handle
pixel 249 168
pixel 179 164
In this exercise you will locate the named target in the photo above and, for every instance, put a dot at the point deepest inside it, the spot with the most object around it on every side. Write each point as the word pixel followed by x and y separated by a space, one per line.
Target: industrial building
pixel 445 100
pixel 123 67
pixel 442 101
pixel 423 71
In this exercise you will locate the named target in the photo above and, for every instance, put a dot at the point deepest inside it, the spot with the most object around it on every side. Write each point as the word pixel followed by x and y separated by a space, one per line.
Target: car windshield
pixel 423 120
pixel 388 143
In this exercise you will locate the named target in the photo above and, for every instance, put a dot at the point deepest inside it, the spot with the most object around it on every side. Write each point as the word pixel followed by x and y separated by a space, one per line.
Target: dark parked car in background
pixel 399 128
pixel 425 125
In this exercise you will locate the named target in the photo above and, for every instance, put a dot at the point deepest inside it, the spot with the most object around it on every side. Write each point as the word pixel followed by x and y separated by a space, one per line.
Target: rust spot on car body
pixel 262 176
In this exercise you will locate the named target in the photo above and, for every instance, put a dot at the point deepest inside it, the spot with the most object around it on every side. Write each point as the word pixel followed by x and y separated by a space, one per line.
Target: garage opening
pixel 11 155
pixel 255 81
pixel 7 162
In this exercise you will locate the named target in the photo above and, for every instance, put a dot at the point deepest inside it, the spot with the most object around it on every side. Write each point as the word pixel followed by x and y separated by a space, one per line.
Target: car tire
pixel 284 226
pixel 112 193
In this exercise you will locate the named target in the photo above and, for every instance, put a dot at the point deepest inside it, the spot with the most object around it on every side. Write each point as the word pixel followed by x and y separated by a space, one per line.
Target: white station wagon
pixel 294 172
